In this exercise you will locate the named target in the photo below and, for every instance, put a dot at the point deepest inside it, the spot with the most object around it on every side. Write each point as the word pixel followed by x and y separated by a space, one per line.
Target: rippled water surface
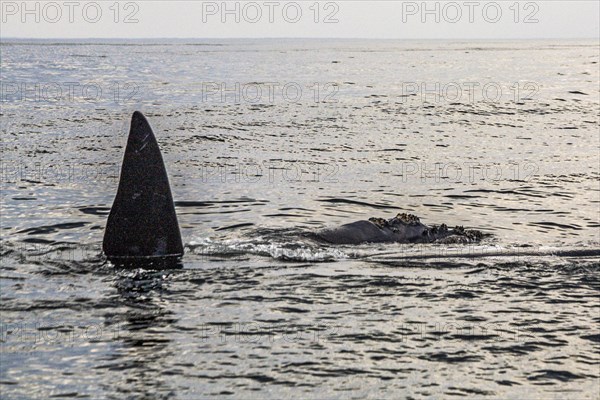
pixel 498 136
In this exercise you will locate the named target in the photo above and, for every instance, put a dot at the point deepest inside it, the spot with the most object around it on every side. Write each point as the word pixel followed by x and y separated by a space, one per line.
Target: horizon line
pixel 293 37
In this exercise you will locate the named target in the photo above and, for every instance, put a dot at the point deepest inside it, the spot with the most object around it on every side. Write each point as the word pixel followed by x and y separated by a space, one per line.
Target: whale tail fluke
pixel 142 222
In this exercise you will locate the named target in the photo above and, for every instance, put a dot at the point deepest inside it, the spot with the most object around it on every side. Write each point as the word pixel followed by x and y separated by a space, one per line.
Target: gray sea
pixel 265 140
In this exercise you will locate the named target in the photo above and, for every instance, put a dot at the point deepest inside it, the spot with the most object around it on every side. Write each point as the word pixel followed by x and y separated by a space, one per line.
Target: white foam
pixel 279 251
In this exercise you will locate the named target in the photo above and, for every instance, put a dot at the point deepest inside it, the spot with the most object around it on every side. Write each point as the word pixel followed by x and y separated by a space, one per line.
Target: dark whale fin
pixel 142 221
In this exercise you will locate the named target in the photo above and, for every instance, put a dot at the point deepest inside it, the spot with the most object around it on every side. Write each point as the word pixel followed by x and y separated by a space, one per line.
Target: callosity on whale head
pixel 142 223
pixel 403 228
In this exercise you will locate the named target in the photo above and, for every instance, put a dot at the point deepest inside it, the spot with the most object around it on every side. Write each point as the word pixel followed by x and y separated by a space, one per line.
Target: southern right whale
pixel 142 225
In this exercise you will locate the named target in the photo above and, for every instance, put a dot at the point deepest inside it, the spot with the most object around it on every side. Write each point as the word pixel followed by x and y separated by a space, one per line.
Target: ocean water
pixel 265 140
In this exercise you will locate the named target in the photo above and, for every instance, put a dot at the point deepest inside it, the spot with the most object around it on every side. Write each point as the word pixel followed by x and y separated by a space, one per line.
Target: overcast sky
pixel 338 19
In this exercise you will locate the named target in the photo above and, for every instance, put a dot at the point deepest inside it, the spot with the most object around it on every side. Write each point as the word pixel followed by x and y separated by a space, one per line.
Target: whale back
pixel 355 233
pixel 142 221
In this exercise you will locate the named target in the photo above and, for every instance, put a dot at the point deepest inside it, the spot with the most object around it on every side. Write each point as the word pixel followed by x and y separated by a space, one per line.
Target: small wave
pixel 359 203
pixel 496 255
pixel 295 251
pixel 52 228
